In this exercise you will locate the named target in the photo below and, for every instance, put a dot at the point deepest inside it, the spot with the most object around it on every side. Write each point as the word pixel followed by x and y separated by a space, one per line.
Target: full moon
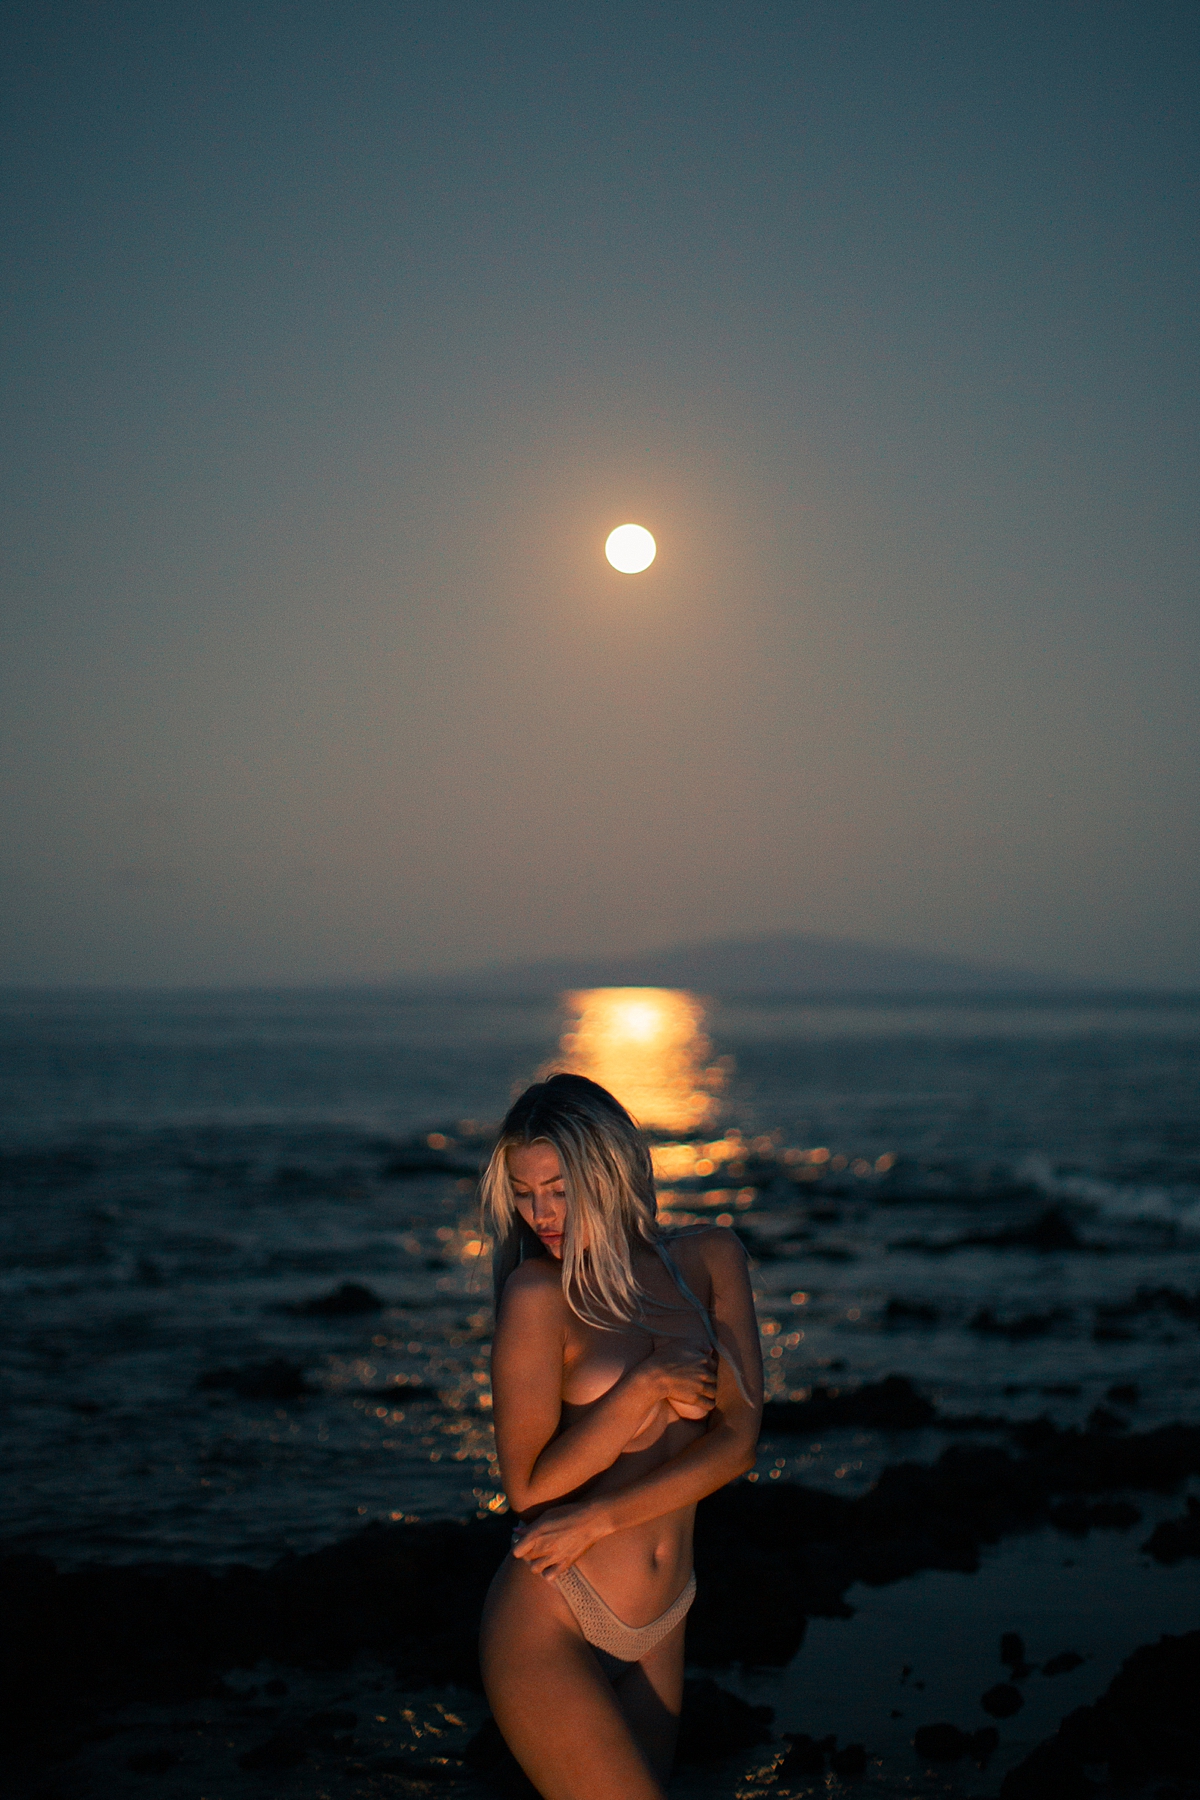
pixel 630 548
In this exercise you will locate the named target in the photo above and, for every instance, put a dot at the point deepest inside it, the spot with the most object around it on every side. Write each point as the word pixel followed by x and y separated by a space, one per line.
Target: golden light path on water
pixel 648 1047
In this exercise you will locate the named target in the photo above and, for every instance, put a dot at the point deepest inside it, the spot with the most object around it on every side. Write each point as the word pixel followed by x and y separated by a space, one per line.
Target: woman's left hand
pixel 558 1538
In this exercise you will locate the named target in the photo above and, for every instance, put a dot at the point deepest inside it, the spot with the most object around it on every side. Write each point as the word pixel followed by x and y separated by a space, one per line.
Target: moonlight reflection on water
pixel 648 1047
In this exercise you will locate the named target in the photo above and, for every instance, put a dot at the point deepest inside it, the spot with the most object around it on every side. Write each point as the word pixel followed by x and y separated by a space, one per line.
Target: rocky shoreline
pixel 406 1597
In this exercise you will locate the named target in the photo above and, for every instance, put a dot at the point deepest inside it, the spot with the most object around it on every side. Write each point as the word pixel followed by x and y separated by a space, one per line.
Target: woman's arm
pixel 537 1466
pixel 726 1450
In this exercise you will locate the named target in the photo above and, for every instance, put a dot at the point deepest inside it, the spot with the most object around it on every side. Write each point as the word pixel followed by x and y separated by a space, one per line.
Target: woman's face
pixel 537 1184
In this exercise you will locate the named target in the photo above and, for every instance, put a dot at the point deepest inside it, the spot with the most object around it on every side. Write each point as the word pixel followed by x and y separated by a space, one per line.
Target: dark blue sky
pixel 338 337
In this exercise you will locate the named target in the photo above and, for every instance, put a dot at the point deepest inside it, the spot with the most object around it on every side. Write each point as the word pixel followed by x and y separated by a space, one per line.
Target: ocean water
pixel 1000 1201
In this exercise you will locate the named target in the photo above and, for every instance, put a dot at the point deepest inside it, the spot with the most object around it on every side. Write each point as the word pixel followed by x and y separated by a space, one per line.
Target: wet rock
pixel 1173 1539
pixel 1170 1302
pixel 153 1762
pixel 1124 1393
pixel 1102 1418
pixel 277 1379
pixel 1063 1663
pixel 1077 1517
pixel 1002 1701
pixel 437 1153
pixel 421 1768
pixel 395 1393
pixel 1012 1654
pixel 346 1302
pixel 944 1742
pixel 282 1750
pixel 1052 1229
pixel 1027 1325
pixel 324 1722
pixel 891 1404
pixel 715 1723
pixel 768 1557
pixel 898 1313
pixel 1145 1727
pixel 805 1755
pixel 407 1594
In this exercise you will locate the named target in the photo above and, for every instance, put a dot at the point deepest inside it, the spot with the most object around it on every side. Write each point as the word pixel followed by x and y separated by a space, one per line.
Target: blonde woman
pixel 627 1384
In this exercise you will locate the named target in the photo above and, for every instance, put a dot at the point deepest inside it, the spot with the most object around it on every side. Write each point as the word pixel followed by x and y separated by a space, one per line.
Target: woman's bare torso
pixel 638 1571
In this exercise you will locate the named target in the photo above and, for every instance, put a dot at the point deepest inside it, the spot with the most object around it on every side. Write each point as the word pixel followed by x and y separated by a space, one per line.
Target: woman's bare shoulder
pixel 716 1249
pixel 535 1288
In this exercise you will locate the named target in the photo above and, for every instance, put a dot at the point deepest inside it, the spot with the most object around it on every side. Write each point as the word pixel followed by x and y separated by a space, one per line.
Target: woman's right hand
pixel 685 1375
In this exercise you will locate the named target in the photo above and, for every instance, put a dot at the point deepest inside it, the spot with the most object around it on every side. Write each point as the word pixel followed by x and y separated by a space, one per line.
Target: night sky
pixel 337 339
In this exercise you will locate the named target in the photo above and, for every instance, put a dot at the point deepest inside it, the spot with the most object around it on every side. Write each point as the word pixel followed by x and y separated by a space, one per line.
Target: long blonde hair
pixel 609 1183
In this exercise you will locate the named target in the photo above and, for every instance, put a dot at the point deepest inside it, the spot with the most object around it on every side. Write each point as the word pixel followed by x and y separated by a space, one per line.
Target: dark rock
pixel 946 1743
pixel 153 1762
pixel 345 1302
pixel 1145 1727
pixel 1102 1418
pixel 1124 1393
pixel 1052 1229
pixel 1002 1701
pixel 396 1392
pixel 973 1422
pixel 892 1404
pixel 715 1723
pixel 768 1556
pixel 851 1761
pixel 805 1755
pixel 423 1768
pixel 1149 1300
pixel 275 1687
pixel 408 1594
pixel 1174 1539
pixel 283 1750
pixel 1012 1653
pixel 1063 1663
pixel 274 1380
pixel 1076 1517
pixel 417 1156
pixel 1028 1325
pixel 910 1312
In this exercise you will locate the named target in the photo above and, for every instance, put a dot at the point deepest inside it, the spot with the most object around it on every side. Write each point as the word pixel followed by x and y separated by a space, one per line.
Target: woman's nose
pixel 545 1206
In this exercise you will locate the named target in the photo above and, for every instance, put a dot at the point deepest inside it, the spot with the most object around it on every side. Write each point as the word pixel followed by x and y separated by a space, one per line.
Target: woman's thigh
pixel 650 1696
pixel 559 1714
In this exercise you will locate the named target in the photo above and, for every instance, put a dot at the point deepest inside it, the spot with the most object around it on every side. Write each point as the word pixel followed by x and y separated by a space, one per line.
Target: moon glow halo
pixel 630 549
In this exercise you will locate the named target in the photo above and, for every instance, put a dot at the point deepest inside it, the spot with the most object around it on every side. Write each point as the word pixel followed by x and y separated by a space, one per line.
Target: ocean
pixel 999 1200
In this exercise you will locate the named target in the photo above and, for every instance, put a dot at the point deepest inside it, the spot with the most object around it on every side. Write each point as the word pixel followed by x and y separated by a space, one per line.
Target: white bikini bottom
pixel 613 1640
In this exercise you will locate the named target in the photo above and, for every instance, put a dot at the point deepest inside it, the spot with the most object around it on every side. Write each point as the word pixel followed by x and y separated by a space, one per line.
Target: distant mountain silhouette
pixel 786 963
